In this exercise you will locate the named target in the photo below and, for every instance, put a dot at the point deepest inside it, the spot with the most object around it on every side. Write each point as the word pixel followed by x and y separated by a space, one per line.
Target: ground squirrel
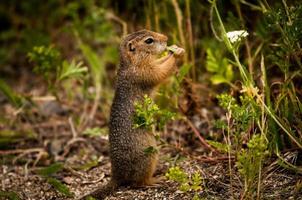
pixel 139 72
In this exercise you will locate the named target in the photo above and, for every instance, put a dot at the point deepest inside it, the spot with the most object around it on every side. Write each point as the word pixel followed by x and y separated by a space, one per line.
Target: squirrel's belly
pixel 130 159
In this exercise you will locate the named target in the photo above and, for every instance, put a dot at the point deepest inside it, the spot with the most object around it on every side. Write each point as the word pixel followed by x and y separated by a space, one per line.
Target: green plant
pixel 71 70
pixel 257 111
pixel 96 131
pixel 48 172
pixel 15 99
pixel 219 66
pixel 148 114
pixel 186 182
pixel 242 117
pixel 248 84
pixel 47 61
pixel 49 64
pixel 9 195
pixel 249 162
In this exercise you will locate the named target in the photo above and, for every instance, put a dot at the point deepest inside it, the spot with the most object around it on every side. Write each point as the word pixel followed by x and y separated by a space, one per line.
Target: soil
pixel 23 179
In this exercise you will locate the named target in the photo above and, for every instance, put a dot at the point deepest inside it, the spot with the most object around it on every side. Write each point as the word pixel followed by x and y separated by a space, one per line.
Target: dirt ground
pixel 278 183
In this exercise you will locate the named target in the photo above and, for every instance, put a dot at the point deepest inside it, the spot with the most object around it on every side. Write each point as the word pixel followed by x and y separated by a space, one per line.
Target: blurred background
pixel 58 61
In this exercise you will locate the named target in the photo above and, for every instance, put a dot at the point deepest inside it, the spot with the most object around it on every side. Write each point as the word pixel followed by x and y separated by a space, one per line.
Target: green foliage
pixel 96 131
pixel 285 34
pixel 178 175
pixel 241 119
pixel 49 64
pixel 196 181
pixel 243 116
pixel 150 150
pixel 87 166
pixel 59 186
pixel 11 136
pixel 148 114
pixel 52 169
pixel 186 182
pixel 219 146
pixel 90 198
pixel 97 66
pixel 286 24
pixel 183 72
pixel 9 195
pixel 49 171
pixel 47 60
pixel 249 161
pixel 71 70
pixel 14 98
pixel 219 66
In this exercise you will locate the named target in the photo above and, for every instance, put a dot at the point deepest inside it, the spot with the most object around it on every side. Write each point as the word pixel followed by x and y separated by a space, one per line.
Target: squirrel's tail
pixel 102 192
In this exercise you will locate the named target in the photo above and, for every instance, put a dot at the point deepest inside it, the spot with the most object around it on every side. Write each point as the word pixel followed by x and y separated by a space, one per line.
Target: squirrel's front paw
pixel 177 51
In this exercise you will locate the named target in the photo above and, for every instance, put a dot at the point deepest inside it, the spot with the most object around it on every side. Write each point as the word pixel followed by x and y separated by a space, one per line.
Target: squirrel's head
pixel 142 46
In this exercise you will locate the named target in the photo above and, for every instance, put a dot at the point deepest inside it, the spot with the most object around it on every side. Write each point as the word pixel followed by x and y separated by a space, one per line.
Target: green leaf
pixel 177 174
pixel 90 198
pixel 195 197
pixel 52 169
pixel 196 181
pixel 219 146
pixel 47 60
pixel 10 136
pixel 111 54
pixel 229 72
pixel 218 79
pixel 150 150
pixel 96 65
pixel 185 187
pixel 71 70
pixel 183 71
pixel 170 48
pixel 59 186
pixel 88 165
pixel 96 131
pixel 212 63
pixel 15 99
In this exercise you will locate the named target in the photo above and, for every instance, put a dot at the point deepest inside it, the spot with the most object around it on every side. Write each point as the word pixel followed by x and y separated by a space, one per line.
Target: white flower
pixel 236 36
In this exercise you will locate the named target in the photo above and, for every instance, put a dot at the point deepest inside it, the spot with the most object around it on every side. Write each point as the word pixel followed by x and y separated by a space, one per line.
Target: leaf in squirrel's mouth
pixel 166 51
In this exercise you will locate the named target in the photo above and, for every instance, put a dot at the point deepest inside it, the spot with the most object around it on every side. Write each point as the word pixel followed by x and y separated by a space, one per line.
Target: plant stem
pixel 190 35
pixel 179 18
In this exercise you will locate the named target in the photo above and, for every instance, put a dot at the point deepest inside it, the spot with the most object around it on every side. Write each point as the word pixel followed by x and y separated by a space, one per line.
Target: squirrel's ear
pixel 131 47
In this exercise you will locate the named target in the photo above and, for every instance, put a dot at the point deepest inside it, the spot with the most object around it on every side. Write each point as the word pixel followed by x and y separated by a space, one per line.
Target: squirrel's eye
pixel 149 41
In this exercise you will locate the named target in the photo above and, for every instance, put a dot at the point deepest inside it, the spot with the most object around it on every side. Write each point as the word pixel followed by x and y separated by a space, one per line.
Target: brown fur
pixel 139 72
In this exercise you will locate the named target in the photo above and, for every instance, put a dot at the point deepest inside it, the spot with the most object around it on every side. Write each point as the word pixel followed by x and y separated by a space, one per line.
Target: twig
pixel 73 130
pixel 202 158
pixel 179 18
pixel 71 142
pixel 43 98
pixel 201 139
pixel 101 177
pixel 18 151
pixel 75 138
pixel 112 16
pixel 24 152
pixel 95 103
